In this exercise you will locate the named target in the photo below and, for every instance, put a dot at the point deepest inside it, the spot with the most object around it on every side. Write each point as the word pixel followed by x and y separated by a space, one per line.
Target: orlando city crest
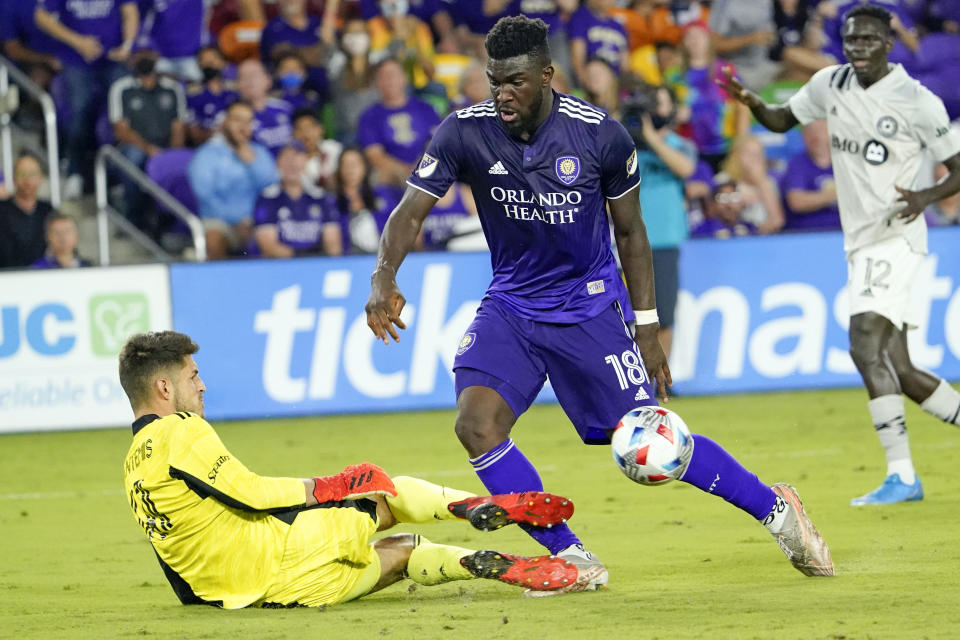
pixel 568 168
pixel 427 166
pixel 466 342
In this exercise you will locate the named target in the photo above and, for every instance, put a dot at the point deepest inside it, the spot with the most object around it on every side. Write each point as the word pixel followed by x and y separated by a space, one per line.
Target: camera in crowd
pixel 647 99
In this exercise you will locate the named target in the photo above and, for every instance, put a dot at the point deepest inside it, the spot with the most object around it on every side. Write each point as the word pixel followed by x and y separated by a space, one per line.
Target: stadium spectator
pixel 291 75
pixel 351 77
pixel 556 14
pixel 175 29
pixel 402 36
pixel 22 216
pixel 271 116
pixel 30 49
pixel 944 212
pixel 708 116
pixel 698 190
pixel 226 174
pixel 62 239
pixel 664 161
pixel 474 86
pixel 323 154
pixel 394 131
pixel 799 38
pixel 290 217
pixel 448 218
pixel 743 32
pixel 207 103
pixel 432 12
pixel 361 206
pixel 148 113
pixel 602 88
pixel 311 36
pixel 228 537
pixel 473 19
pixel 95 36
pixel 594 32
pixel 747 166
pixel 896 120
pixel 808 188
pixel 647 22
pixel 724 214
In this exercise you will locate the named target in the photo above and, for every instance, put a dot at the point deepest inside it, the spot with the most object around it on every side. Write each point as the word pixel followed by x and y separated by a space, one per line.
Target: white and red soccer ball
pixel 651 445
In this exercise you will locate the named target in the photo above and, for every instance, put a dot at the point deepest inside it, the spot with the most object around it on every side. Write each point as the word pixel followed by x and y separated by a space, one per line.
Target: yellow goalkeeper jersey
pixel 217 528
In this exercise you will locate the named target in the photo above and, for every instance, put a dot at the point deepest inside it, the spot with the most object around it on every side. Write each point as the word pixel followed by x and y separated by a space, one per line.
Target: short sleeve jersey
pixel 876 138
pixel 273 126
pixel 299 222
pixel 542 202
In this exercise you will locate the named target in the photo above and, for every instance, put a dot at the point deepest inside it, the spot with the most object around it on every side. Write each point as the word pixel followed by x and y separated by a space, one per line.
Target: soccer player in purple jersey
pixel 543 167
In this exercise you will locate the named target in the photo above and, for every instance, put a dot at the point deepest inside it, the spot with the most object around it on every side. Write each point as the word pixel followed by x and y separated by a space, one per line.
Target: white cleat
pixel 592 574
pixel 799 538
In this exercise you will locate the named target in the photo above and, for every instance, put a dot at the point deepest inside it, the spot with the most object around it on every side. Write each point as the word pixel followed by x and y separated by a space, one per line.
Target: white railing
pixel 8 72
pixel 105 213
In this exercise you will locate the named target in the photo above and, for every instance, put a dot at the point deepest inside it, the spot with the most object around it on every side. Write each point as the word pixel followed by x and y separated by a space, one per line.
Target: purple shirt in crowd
pixel 423 9
pixel 546 10
pixel 361 229
pixel 16 23
pixel 206 107
pixel 605 37
pixel 176 26
pixel 803 174
pixel 299 222
pixel 97 18
pixel 403 131
pixel 272 126
pixel 542 203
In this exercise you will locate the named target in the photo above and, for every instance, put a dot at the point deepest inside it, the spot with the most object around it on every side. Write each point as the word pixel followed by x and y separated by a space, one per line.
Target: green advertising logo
pixel 115 317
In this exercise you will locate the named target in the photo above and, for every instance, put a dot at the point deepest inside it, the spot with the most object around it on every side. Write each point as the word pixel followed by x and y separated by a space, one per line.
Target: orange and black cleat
pixel 539 573
pixel 535 508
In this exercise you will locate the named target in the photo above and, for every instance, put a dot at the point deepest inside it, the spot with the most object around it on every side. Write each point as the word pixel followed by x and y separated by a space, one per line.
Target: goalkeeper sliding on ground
pixel 228 537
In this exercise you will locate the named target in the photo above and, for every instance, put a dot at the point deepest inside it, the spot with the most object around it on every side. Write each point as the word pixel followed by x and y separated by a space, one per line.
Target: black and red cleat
pixel 535 508
pixel 539 573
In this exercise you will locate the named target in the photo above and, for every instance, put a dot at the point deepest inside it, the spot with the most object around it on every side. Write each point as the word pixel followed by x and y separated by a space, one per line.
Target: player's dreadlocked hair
pixel 147 354
pixel 518 36
pixel 871 11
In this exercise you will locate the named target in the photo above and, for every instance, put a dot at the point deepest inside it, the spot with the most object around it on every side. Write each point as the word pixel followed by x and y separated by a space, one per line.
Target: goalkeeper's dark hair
pixel 870 11
pixel 519 36
pixel 147 354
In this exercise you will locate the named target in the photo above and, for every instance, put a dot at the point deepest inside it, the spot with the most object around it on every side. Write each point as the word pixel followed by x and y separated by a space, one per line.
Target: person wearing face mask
pixel 148 113
pixel 207 102
pixel 291 76
pixel 311 36
pixel 397 33
pixel 351 76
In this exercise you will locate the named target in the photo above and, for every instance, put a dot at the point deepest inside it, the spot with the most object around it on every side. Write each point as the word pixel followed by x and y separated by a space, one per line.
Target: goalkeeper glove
pixel 355 481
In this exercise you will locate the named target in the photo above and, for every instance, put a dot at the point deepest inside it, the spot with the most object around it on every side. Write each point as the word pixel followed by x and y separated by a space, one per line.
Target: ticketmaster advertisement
pixel 60 336
pixel 290 337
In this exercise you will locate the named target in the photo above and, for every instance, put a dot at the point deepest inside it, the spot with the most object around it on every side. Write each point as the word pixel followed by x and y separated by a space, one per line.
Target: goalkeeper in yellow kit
pixel 228 537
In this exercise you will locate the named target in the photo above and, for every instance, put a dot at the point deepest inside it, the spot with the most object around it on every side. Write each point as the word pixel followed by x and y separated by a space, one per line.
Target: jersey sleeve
pixel 932 127
pixel 263 213
pixel 441 164
pixel 200 459
pixel 618 160
pixel 809 103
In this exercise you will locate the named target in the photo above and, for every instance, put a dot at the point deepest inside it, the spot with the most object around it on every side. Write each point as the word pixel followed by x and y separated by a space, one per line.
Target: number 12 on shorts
pixel 628 367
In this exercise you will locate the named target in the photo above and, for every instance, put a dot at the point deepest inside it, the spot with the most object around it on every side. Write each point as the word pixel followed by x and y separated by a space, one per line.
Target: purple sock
pixel 715 471
pixel 504 469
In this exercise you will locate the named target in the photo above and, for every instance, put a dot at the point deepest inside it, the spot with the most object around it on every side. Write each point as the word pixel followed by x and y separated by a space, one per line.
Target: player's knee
pixel 865 351
pixel 385 517
pixel 478 434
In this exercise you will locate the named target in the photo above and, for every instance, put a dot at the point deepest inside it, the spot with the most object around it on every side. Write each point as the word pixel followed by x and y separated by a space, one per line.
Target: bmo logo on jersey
pixel 874 151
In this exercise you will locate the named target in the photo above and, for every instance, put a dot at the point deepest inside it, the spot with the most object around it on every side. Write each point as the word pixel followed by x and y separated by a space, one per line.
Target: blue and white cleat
pixel 892 491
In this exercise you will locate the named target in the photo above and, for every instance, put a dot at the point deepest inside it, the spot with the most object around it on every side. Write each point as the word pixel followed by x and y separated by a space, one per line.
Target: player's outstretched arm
pixel 916 201
pixel 399 235
pixel 778 118
pixel 637 260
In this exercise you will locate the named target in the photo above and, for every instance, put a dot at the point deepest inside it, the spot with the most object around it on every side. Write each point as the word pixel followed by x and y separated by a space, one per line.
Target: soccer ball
pixel 651 445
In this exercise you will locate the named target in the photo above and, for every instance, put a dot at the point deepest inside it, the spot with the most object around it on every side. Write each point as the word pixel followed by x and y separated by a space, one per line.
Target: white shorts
pixel 881 279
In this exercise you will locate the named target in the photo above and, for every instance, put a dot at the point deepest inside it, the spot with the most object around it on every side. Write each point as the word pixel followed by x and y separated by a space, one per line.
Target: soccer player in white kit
pixel 880 121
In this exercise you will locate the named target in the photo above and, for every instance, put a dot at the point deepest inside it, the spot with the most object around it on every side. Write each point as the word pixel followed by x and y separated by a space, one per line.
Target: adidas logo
pixel 498 169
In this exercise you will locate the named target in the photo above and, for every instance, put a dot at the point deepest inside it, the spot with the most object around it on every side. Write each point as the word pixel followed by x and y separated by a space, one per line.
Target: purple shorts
pixel 594 365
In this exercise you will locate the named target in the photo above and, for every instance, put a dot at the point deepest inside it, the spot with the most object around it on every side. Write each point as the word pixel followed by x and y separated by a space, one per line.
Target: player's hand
pixel 383 309
pixel 653 357
pixel 731 84
pixel 914 202
pixel 354 482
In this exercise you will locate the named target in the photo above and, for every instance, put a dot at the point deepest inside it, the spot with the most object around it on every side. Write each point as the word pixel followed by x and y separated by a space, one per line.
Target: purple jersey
pixel 804 175
pixel 403 131
pixel 97 18
pixel 542 203
pixel 272 126
pixel 423 9
pixel 299 222
pixel 177 27
pixel 16 23
pixel 546 10
pixel 279 31
pixel 206 107
pixel 605 37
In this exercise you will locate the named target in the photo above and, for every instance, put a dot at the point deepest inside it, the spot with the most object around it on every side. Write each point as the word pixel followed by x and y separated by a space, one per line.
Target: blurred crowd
pixel 290 126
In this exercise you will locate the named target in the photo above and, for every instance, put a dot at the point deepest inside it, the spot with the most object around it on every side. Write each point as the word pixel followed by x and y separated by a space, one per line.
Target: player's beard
pixel 528 122
pixel 184 402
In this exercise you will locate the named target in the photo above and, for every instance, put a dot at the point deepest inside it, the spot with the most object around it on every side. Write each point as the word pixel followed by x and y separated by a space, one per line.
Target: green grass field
pixel 683 564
